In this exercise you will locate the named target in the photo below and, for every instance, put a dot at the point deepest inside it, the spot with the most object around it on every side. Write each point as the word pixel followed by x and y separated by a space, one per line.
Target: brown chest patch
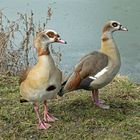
pixel 42 52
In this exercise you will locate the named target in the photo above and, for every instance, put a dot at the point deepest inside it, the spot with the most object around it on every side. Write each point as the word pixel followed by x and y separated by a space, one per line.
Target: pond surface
pixel 80 22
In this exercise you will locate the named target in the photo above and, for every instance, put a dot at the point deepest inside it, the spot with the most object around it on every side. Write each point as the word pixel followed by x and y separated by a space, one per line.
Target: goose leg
pixel 48 117
pixel 41 125
pixel 95 97
pixel 98 102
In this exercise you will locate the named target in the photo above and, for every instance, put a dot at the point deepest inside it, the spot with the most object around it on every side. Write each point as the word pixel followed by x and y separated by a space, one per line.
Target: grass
pixel 79 118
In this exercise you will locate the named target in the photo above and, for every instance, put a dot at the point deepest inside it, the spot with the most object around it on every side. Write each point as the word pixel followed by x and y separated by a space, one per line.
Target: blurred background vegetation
pixel 16 55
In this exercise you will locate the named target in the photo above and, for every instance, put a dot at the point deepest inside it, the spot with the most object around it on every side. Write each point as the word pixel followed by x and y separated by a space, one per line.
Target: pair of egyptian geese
pixel 94 71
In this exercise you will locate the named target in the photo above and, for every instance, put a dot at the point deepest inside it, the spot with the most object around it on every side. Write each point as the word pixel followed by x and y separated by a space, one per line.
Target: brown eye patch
pixel 114 24
pixel 51 34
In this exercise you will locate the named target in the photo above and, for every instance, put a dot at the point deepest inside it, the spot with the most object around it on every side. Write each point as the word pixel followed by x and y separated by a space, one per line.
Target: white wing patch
pixel 101 72
pixel 93 78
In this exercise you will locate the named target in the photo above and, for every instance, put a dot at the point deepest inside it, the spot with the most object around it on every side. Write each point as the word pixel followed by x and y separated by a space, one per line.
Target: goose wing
pixel 89 65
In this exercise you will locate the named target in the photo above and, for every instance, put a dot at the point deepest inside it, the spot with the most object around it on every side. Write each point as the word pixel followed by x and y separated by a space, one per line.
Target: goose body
pixel 41 77
pixel 97 69
pixel 43 80
pixel 106 75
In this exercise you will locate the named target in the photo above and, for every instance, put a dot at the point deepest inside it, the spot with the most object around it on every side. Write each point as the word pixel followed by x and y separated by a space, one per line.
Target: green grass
pixel 79 118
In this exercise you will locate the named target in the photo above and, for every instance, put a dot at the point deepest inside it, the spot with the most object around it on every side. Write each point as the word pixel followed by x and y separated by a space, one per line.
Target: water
pixel 80 22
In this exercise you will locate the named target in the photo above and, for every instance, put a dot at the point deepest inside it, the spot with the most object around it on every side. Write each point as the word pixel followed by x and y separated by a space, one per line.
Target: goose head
pixel 112 26
pixel 45 38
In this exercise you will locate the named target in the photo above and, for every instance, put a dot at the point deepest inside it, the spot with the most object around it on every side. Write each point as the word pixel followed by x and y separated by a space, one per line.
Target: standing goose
pixel 43 81
pixel 98 68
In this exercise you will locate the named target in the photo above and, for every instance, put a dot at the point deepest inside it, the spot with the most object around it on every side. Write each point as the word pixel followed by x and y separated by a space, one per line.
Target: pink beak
pixel 61 41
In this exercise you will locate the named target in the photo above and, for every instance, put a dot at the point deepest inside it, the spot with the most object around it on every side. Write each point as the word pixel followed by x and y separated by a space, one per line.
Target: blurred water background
pixel 79 22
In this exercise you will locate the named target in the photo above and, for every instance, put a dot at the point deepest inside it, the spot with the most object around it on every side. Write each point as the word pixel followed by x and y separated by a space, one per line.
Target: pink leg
pixel 48 117
pixel 95 97
pixel 98 102
pixel 41 125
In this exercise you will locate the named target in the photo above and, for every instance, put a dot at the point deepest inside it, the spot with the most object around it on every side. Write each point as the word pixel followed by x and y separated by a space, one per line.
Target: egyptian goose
pixel 98 68
pixel 42 81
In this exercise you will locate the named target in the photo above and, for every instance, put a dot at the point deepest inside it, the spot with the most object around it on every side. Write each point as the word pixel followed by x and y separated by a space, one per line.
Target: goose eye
pixel 50 34
pixel 114 24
